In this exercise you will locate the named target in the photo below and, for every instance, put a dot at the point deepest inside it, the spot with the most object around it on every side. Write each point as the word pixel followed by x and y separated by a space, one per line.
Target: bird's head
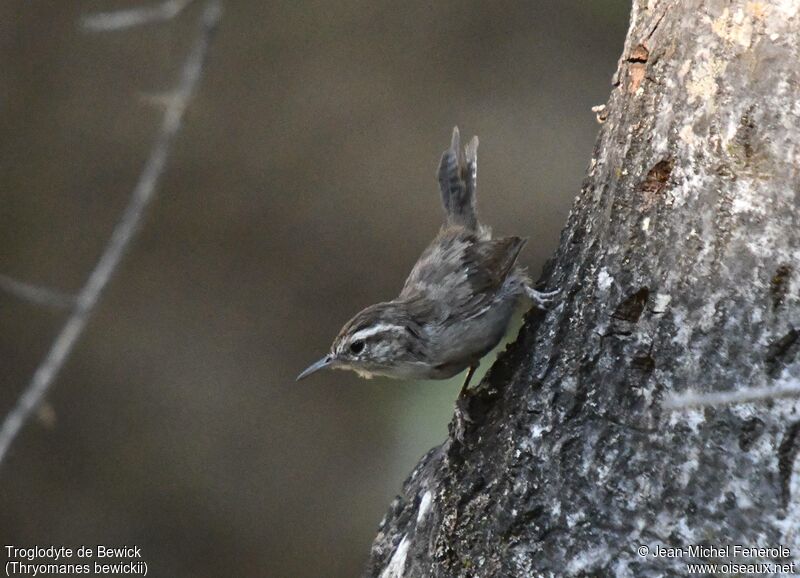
pixel 382 339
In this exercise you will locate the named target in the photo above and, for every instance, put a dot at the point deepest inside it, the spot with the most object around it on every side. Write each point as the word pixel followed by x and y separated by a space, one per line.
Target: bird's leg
pixel 470 373
pixel 542 299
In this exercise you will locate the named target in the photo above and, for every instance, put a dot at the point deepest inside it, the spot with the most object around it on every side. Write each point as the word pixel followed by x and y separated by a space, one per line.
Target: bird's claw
pixel 542 299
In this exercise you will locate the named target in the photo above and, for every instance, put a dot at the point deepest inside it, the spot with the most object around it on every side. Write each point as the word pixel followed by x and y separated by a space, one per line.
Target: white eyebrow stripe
pixel 379 328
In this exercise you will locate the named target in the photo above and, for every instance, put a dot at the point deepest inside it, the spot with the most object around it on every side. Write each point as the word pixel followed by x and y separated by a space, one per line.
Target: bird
pixel 456 303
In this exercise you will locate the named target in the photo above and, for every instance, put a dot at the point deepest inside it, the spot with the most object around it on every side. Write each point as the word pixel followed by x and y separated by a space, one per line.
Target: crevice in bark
pixel 782 352
pixel 787 452
pixel 779 285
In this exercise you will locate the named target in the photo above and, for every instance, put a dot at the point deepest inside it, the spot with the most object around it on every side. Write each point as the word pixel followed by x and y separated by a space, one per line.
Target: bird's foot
pixel 541 299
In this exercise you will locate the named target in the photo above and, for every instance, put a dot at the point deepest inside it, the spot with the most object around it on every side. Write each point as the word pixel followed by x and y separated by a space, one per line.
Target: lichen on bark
pixel 679 272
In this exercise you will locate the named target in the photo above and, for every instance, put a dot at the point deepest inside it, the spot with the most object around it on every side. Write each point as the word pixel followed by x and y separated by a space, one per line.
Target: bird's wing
pixel 461 272
pixel 488 263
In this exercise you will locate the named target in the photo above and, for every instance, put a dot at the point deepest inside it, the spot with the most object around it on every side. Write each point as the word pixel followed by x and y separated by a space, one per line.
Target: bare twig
pixel 121 237
pixel 35 293
pixel 789 388
pixel 107 21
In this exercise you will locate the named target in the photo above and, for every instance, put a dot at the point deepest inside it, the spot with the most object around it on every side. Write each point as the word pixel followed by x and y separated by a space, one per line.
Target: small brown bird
pixel 456 303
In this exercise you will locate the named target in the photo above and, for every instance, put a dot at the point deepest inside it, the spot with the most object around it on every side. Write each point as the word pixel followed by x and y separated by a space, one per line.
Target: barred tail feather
pixel 458 173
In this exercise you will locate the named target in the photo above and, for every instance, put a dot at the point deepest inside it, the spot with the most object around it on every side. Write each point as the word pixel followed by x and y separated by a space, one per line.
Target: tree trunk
pixel 678 271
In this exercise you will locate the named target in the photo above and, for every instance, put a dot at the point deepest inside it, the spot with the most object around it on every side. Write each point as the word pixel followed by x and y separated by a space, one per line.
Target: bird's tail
pixel 458 173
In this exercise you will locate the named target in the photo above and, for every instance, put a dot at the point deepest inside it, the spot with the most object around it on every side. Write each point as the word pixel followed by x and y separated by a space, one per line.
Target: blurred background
pixel 300 190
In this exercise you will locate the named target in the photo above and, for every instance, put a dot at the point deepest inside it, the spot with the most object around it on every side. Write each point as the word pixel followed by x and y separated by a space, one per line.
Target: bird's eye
pixel 357 346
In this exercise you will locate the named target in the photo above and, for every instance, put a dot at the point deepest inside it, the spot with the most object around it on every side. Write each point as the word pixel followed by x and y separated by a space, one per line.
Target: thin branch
pixel 36 294
pixel 720 398
pixel 107 21
pixel 121 237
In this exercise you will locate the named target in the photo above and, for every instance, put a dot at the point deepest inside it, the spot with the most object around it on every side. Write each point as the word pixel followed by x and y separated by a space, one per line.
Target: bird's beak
pixel 315 367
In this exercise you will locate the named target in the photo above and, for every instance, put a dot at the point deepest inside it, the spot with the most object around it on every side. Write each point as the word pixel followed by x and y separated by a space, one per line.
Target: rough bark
pixel 679 272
